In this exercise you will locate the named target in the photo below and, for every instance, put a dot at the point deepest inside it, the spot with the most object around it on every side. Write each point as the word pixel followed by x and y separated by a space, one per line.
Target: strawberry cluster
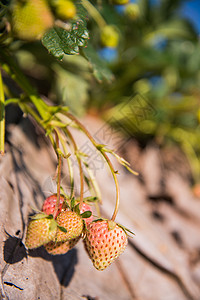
pixel 104 240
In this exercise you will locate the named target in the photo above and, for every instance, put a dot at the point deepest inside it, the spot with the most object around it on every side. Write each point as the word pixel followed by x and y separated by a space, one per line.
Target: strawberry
pixel 104 242
pixel 31 18
pixel 72 224
pixel 61 247
pixel 109 36
pixel 86 207
pixel 41 230
pixel 65 9
pixel 50 203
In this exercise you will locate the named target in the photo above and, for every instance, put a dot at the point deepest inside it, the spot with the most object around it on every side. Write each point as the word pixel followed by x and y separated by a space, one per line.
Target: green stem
pixel 28 110
pixel 2 117
pixel 94 13
pixel 12 101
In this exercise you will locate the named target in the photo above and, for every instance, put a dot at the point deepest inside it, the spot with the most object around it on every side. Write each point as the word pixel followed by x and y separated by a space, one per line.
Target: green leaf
pixel 100 68
pixel 77 209
pixel 125 229
pixel 75 93
pixel 91 199
pixel 86 214
pixel 61 40
pixel 40 216
pixel 73 202
pixel 63 229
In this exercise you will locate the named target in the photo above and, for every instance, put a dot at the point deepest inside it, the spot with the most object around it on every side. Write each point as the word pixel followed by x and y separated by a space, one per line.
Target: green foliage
pixel 100 69
pixel 60 41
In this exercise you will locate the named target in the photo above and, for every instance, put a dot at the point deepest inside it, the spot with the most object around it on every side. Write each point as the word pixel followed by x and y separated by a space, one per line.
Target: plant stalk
pixel 80 166
pixel 58 175
pixel 2 117
pixel 94 13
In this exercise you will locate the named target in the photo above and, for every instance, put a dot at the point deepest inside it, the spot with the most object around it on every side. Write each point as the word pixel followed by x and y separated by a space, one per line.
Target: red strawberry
pixel 61 247
pixel 104 242
pixel 41 230
pixel 50 203
pixel 86 207
pixel 72 223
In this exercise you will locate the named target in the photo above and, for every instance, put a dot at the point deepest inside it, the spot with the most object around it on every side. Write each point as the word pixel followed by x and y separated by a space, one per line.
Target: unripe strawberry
pixel 65 9
pixel 50 203
pixel 132 11
pixel 72 223
pixel 104 242
pixel 56 248
pixel 41 230
pixel 109 36
pixel 31 19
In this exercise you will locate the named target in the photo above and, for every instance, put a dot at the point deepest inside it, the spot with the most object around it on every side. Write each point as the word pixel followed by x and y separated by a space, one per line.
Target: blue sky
pixel 190 9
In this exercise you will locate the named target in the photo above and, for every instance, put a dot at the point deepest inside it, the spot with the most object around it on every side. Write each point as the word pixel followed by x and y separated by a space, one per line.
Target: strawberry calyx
pixel 86 214
pixel 41 215
pixel 126 230
pixel 63 229
pixel 112 224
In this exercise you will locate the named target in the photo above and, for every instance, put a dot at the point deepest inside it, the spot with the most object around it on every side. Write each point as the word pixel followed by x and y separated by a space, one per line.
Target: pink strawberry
pixel 86 207
pixel 61 247
pixel 71 222
pixel 41 230
pixel 104 242
pixel 50 203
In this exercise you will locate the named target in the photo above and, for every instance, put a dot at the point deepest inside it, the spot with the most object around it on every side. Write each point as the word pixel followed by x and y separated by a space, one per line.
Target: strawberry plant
pixel 58 30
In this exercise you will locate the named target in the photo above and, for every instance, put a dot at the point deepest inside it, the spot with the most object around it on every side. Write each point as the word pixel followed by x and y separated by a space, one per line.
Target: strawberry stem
pixel 116 184
pixel 94 13
pixel 63 141
pixel 58 176
pixel 2 117
pixel 76 152
pixel 102 151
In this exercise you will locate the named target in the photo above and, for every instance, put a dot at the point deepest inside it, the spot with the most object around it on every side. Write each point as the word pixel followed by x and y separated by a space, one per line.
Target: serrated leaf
pixel 100 69
pixel 86 214
pixel 60 41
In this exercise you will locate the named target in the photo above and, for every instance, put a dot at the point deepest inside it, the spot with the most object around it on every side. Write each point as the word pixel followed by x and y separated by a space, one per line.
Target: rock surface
pixel 162 261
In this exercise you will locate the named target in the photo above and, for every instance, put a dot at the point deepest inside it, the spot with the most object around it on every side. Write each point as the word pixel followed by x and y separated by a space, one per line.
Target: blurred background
pixel 146 87
pixel 143 48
